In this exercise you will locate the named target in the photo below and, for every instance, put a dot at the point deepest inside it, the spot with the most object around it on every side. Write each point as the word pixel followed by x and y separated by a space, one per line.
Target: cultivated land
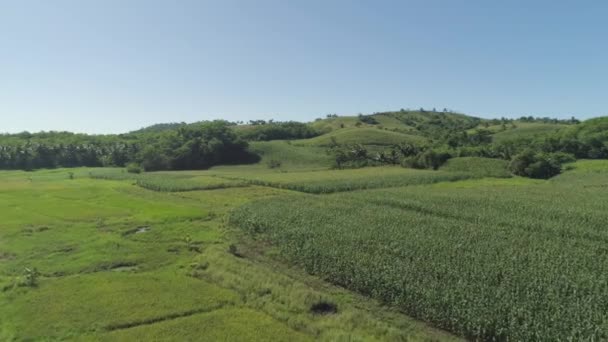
pixel 120 262
pixel 290 247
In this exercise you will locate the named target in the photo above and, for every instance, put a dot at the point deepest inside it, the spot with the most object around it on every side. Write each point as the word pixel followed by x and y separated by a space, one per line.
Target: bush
pixel 429 159
pixel 134 168
pixel 273 164
pixel 539 165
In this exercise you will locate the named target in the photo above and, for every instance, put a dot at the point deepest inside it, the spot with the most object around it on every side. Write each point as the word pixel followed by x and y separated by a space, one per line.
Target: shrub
pixel 273 164
pixel 134 168
pixel 539 165
pixel 30 277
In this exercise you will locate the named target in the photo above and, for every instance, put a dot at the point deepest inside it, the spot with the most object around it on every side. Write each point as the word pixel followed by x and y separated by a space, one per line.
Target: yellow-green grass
pixel 506 259
pixel 481 167
pixel 168 181
pixel 526 130
pixel 227 324
pixel 328 181
pixel 363 135
pixel 120 262
pixel 330 124
pixel 291 156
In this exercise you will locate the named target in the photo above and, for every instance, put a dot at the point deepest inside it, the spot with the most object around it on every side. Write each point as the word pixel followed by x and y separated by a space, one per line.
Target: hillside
pixel 363 135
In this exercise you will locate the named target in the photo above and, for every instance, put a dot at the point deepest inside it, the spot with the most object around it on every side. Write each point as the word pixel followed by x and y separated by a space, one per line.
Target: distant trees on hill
pixel 261 130
pixel 196 146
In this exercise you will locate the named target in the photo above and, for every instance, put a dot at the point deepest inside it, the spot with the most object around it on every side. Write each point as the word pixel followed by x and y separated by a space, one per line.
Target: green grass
pixel 526 130
pixel 291 156
pixel 364 136
pixel 168 181
pixel 481 167
pixel 229 324
pixel 503 259
pixel 328 181
pixel 120 262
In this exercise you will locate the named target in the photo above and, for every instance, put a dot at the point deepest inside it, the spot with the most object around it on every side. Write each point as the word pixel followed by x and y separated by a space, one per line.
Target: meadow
pixel 328 181
pixel 287 246
pixel 88 257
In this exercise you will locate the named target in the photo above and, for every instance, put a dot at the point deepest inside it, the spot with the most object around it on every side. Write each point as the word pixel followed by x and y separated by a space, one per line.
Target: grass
pixel 526 130
pixel 489 261
pixel 481 167
pixel 168 181
pixel 120 262
pixel 364 136
pixel 291 156
pixel 329 181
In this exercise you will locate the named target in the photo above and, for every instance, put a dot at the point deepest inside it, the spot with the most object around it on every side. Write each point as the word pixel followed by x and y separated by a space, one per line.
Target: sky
pixel 111 66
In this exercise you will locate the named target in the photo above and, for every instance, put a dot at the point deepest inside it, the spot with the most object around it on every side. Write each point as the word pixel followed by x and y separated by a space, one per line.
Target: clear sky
pixel 108 66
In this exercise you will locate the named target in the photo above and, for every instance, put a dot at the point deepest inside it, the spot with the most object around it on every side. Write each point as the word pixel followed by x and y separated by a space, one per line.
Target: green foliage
pixel 368 119
pixel 102 280
pixel 30 277
pixel 482 167
pixel 134 168
pixel 265 131
pixel 196 146
pixel 483 260
pixel 538 165
pixel 362 136
pixel 323 182
pixel 428 159
pixel 273 164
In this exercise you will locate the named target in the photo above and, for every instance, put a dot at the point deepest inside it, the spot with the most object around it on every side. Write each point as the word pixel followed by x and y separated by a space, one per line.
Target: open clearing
pixel 117 261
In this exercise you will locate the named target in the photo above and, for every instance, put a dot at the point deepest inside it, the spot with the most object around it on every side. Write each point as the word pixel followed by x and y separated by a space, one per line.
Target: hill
pixel 363 135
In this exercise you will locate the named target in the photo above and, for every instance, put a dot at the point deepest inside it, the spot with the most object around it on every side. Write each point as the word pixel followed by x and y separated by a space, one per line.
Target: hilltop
pixel 417 139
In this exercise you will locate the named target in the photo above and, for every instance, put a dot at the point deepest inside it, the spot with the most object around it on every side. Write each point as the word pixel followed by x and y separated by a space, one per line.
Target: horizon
pixel 68 69
pixel 246 122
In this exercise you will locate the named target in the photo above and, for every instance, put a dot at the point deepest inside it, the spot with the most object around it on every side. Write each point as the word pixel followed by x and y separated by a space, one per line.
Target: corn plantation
pixel 500 262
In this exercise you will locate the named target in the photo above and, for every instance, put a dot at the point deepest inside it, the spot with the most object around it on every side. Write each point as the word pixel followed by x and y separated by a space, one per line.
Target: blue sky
pixel 115 65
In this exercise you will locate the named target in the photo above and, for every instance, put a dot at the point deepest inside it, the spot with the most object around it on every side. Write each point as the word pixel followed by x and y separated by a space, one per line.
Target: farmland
pixel 504 259
pixel 396 226
pixel 116 261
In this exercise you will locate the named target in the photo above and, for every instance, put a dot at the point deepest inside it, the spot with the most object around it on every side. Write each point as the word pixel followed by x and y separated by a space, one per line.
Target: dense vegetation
pixel 181 147
pixel 261 130
pixel 423 139
pixel 488 260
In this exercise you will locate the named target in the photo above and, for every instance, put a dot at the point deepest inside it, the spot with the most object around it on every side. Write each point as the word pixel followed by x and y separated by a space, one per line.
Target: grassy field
pixel 328 181
pixel 525 130
pixel 103 259
pixel 363 135
pixel 506 259
pixel 300 252
pixel 481 167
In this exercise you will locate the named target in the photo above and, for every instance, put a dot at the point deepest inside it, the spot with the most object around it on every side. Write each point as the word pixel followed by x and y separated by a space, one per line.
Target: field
pixel 328 181
pixel 481 167
pixel 525 130
pixel 502 259
pixel 300 252
pixel 103 259
pixel 363 135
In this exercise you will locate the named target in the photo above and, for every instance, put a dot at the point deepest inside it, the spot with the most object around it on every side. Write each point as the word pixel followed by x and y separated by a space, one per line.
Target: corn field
pixel 505 262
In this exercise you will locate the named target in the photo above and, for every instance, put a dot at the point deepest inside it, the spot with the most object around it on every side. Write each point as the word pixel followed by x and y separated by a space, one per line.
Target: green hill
pixel 525 130
pixel 363 135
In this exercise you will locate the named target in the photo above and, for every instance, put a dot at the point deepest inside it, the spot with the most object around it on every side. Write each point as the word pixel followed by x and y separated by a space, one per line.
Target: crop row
pixel 488 263
pixel 330 181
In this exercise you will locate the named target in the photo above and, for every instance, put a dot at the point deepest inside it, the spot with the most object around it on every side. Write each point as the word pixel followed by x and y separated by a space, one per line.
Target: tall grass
pixel 481 167
pixel 329 181
pixel 489 263
pixel 170 181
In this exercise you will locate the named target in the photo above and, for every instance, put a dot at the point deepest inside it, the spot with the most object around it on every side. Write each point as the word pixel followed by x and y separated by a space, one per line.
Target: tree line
pixel 195 146
pixel 540 156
